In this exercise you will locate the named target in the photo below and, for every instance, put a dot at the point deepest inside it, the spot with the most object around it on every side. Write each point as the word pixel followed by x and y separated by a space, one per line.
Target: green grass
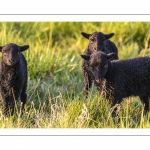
pixel 55 81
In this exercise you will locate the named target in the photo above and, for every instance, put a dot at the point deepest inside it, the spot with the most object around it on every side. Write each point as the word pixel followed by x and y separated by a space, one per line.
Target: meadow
pixel 55 82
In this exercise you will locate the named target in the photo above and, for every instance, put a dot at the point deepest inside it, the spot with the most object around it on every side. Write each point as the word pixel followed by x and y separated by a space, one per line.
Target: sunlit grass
pixel 55 81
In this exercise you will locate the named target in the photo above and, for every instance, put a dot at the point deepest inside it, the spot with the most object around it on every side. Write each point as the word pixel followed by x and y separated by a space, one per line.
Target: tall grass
pixel 55 81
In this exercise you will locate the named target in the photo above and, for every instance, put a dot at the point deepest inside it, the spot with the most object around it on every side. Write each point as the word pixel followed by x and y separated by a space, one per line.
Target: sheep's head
pixel 98 64
pixel 11 53
pixel 96 40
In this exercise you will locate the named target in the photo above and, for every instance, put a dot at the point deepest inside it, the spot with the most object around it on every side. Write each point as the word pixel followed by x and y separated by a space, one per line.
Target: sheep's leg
pixel 13 99
pixel 87 83
pixel 8 105
pixel 114 110
pixel 115 107
pixel 5 105
pixel 11 104
pixel 5 101
pixel 146 101
pixel 87 78
pixel 23 98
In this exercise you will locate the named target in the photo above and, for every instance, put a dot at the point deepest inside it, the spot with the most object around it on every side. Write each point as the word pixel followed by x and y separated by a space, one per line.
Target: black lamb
pixel 120 79
pixel 13 76
pixel 97 42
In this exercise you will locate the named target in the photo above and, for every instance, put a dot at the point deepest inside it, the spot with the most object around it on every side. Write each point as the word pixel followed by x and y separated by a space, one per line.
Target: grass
pixel 55 81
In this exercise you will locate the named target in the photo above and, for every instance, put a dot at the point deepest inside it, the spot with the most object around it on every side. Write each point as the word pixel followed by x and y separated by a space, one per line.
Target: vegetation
pixel 55 81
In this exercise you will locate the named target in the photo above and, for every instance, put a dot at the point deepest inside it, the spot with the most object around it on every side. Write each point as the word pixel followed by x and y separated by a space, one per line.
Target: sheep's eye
pixel 4 54
pixel 92 39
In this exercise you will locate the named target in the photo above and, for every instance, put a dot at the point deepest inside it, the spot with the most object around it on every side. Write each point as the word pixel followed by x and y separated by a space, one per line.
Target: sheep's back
pixel 130 77
pixel 111 47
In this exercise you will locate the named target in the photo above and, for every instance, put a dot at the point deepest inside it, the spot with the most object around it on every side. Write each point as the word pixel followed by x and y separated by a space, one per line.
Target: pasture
pixel 55 81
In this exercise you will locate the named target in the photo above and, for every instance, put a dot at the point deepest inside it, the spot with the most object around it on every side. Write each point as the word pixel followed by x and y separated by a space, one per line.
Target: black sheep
pixel 97 42
pixel 120 79
pixel 13 76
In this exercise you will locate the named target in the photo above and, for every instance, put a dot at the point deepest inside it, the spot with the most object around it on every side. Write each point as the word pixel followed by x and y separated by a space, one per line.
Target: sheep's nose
pixel 96 48
pixel 97 80
pixel 12 61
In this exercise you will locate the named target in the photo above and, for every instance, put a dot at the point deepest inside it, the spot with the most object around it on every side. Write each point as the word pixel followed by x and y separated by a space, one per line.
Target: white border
pixel 78 141
pixel 74 18
pixel 75 132
pixel 74 7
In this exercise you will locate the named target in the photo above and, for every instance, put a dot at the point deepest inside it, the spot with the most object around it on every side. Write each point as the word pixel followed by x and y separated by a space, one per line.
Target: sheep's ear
pixel 108 36
pixel 111 55
pixel 1 48
pixel 86 35
pixel 86 57
pixel 23 48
